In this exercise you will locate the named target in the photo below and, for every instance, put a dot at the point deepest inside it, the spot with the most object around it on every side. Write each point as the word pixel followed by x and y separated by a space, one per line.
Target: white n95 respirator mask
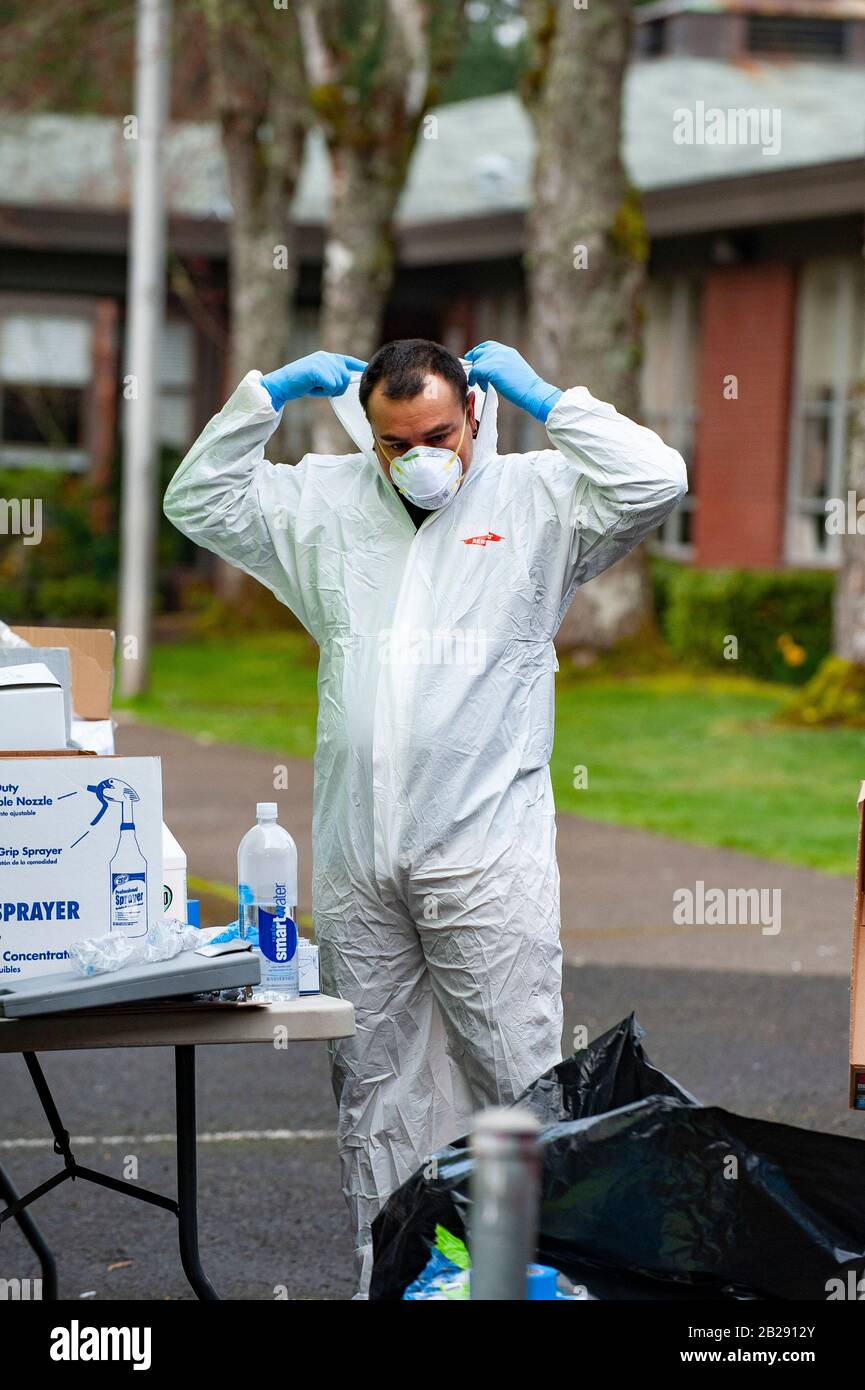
pixel 428 478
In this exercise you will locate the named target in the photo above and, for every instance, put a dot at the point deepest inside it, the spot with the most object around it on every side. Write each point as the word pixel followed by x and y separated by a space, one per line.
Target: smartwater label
pixel 277 937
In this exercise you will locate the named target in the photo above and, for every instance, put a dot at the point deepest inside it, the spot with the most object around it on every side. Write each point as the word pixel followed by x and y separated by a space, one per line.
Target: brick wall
pixel 746 331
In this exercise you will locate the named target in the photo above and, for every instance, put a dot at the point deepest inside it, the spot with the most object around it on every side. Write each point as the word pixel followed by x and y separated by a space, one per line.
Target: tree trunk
pixel 260 99
pixel 372 73
pixel 587 251
pixel 359 257
pixel 262 271
pixel 849 614
pixel 359 261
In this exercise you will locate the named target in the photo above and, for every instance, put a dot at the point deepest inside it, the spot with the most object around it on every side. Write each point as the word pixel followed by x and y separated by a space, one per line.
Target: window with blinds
pixel 796 36
pixel 830 338
pixel 668 389
pixel 45 371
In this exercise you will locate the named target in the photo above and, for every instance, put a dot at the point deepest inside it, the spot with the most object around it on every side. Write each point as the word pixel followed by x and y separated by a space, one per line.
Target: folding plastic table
pixel 183 1026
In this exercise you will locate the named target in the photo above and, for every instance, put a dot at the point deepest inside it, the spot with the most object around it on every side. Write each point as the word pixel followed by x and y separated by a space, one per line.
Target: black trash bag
pixel 648 1194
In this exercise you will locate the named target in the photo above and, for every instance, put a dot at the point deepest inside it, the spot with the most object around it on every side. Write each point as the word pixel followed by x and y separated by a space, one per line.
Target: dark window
pixel 46 365
pixel 655 39
pixel 50 415
pixel 800 38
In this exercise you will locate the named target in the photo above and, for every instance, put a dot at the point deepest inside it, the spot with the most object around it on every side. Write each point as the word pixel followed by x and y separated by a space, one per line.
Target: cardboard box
pixel 80 854
pixel 58 663
pixel 857 972
pixel 88 654
pixel 91 651
pixel 32 713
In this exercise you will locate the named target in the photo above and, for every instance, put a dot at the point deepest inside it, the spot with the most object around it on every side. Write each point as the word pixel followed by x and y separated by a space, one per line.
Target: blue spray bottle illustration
pixel 127 870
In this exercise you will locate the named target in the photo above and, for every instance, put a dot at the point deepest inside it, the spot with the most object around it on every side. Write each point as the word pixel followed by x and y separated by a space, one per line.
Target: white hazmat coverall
pixel 435 884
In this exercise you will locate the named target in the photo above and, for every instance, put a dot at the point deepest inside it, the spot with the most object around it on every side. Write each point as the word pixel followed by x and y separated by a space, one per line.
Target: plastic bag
pixel 8 638
pixel 646 1194
pixel 166 938
pixel 445 1277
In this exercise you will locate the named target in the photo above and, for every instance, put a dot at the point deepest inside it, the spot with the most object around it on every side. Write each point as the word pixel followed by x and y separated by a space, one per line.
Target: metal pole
pixel 145 315
pixel 505 1189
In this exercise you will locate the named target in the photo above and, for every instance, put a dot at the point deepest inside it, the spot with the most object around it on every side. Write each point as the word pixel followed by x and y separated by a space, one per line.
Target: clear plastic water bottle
pixel 267 901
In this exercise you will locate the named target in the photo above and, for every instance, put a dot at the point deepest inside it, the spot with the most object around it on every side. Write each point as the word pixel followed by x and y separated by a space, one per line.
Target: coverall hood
pixel 352 417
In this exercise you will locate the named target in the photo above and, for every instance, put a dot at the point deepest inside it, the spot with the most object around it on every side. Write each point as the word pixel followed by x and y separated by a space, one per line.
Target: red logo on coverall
pixel 482 540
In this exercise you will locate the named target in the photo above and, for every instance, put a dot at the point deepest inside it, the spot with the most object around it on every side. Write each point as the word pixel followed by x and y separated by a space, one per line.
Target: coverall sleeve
pixel 227 497
pixel 613 482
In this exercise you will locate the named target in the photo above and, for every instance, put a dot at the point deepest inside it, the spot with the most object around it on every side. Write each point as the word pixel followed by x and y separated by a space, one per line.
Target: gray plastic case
pixel 190 972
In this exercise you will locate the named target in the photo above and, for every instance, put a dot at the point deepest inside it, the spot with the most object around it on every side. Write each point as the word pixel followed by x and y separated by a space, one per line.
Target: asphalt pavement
pixel 752 1017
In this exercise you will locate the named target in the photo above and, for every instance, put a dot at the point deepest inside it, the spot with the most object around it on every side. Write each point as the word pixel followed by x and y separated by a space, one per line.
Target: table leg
pixel 187 1172
pixel 33 1236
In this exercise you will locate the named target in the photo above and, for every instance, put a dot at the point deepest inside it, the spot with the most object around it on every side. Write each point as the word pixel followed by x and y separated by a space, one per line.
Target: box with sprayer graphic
pixel 80 855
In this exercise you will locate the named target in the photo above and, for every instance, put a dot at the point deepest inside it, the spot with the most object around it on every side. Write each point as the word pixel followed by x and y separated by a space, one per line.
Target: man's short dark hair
pixel 401 368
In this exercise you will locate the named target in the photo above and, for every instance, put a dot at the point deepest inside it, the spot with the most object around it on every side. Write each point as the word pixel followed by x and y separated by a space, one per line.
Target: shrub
pixel 72 573
pixel 78 596
pixel 781 620
pixel 662 572
pixel 835 695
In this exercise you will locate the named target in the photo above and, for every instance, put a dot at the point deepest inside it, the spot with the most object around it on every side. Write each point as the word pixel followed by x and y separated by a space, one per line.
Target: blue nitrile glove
pixel 227 934
pixel 319 374
pixel 502 367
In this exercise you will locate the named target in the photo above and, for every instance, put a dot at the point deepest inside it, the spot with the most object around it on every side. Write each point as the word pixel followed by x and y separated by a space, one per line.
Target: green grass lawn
pixel 259 691
pixel 690 756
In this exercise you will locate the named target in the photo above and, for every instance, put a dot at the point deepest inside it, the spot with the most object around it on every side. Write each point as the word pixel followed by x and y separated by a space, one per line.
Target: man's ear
pixel 472 417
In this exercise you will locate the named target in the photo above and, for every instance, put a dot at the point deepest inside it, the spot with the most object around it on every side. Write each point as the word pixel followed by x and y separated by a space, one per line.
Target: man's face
pixel 433 417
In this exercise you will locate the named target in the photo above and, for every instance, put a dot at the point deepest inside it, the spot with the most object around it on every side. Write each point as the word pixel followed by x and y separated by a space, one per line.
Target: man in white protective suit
pixel 433 572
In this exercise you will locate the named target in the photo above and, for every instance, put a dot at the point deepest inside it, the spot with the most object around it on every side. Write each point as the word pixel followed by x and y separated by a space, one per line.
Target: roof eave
pixel 787 195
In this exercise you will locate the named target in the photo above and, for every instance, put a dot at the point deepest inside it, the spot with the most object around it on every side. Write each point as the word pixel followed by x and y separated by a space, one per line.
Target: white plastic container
pixel 174 886
pixel 309 978
pixel 267 900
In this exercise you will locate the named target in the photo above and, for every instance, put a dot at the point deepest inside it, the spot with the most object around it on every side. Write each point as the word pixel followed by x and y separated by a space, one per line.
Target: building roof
pixel 479 163
pixel 811 9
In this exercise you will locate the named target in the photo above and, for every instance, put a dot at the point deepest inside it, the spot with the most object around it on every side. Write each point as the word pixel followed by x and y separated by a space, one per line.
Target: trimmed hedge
pixel 781 619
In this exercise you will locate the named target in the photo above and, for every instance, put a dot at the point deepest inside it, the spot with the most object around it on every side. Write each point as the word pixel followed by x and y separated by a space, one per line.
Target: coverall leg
pixel 457 993
pixel 399 1095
